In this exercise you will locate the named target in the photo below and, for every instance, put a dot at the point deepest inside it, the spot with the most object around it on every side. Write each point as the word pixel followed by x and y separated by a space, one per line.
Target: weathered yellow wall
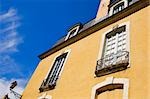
pixel 148 51
pixel 77 78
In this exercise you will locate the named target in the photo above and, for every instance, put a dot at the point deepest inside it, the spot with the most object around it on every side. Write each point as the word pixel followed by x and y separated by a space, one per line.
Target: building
pixel 106 58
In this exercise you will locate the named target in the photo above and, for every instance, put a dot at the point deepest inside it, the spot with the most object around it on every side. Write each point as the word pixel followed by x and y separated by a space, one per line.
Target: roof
pixel 102 22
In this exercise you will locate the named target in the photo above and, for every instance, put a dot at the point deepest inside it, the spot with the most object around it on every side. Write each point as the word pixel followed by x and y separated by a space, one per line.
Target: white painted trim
pixel 112 80
pixel 125 5
pixel 45 96
pixel 75 28
pixel 69 51
pixel 52 65
pixel 127 24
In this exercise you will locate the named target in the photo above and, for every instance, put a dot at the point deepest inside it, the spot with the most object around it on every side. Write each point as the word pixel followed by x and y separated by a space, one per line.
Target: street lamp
pixel 17 95
pixel 13 85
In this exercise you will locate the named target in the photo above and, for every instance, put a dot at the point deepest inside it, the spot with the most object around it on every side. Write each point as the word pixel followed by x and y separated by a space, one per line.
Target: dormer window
pixel 73 31
pixel 117 5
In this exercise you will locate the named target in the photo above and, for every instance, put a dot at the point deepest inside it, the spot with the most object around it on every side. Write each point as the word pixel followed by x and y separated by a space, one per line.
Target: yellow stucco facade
pixel 78 79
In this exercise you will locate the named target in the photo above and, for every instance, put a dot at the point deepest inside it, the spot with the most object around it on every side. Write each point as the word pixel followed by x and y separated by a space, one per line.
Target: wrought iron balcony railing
pixel 48 84
pixel 112 63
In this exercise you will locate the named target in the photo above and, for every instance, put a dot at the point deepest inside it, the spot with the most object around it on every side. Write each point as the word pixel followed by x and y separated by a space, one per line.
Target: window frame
pixel 52 64
pixel 101 51
pixel 66 51
pixel 115 36
pixel 100 69
pixel 74 28
pixel 117 7
pixel 112 7
pixel 112 81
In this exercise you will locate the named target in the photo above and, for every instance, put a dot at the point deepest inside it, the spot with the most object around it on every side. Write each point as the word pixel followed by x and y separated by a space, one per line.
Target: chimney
pixel 103 9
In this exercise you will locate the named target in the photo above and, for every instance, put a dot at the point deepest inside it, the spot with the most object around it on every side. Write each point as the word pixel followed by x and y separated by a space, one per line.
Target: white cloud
pixel 9 45
pixel 5 84
pixel 8 65
pixel 9 37
pixel 9 15
pixel 10 28
pixel 9 41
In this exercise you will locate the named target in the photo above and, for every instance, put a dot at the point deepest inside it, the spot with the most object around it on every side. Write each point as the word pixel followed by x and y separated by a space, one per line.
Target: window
pixel 117 5
pixel 73 31
pixel 52 77
pixel 115 52
pixel 115 42
pixel 110 91
pixel 111 88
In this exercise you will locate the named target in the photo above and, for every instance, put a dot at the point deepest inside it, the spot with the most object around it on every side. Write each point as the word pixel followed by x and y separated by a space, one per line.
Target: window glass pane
pixel 56 69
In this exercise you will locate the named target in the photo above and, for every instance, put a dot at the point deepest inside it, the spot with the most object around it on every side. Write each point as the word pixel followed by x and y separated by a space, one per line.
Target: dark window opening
pixel 53 76
pixel 118 7
pixel 72 33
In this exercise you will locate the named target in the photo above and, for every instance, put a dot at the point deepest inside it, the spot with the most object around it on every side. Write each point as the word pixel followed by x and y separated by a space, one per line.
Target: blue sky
pixel 40 23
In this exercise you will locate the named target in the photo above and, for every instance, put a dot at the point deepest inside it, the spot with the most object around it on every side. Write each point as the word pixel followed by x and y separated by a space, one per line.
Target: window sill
pixel 46 87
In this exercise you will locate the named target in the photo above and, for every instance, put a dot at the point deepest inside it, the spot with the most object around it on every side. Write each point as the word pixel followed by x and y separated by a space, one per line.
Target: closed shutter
pixel 116 42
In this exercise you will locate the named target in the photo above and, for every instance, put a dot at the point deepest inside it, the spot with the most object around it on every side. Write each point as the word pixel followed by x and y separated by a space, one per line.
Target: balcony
pixel 112 63
pixel 48 84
